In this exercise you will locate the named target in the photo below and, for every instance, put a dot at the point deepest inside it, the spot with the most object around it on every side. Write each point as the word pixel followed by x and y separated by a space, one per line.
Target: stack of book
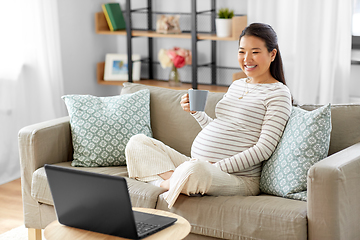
pixel 114 16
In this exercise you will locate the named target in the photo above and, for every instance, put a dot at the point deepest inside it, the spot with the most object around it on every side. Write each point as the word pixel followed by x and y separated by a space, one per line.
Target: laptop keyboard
pixel 144 227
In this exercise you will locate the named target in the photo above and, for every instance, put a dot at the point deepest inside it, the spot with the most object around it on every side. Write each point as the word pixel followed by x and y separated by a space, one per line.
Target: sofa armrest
pixel 333 196
pixel 46 142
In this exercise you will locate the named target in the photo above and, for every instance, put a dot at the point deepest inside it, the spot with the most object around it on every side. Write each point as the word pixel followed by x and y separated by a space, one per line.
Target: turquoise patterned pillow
pixel 305 141
pixel 102 126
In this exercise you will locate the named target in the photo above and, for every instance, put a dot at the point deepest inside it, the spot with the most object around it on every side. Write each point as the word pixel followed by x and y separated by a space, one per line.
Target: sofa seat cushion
pixel 141 194
pixel 240 217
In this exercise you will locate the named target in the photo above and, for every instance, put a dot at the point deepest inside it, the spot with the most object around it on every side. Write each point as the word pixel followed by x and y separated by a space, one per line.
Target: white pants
pixel 147 157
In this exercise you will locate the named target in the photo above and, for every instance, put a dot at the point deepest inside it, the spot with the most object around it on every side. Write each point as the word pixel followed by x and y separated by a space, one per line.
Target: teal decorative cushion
pixel 102 126
pixel 305 141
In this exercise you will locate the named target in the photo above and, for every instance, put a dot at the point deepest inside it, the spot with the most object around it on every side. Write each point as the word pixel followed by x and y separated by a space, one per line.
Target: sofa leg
pixel 34 234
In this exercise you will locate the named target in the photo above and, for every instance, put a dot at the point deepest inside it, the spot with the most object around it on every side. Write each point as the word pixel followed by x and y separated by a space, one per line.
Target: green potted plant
pixel 224 22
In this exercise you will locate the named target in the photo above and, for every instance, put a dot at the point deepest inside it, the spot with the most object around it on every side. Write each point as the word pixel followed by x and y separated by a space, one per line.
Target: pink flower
pixel 176 56
pixel 181 52
pixel 171 54
pixel 179 61
pixel 186 54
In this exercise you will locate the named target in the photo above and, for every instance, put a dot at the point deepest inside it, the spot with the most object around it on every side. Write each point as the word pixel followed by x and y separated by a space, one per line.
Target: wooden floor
pixel 11 212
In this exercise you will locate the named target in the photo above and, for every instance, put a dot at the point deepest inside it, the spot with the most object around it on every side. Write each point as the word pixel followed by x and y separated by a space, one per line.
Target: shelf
pixel 100 69
pixel 212 36
pixel 139 33
pixel 155 83
pixel 193 34
pixel 101 27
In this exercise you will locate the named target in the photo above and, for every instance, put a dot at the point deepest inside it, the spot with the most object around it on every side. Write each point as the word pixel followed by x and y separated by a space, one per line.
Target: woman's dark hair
pixel 267 33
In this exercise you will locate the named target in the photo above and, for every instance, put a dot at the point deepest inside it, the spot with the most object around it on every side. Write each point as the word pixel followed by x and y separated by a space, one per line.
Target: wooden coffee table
pixel 179 230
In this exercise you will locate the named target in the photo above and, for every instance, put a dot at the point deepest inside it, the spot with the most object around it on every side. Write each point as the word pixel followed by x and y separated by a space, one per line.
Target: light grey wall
pixel 82 48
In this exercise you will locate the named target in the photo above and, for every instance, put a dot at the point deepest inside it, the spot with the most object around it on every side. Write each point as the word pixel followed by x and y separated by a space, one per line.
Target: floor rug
pixel 19 233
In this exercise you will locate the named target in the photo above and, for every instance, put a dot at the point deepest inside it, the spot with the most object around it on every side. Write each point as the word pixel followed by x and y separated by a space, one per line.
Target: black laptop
pixel 99 203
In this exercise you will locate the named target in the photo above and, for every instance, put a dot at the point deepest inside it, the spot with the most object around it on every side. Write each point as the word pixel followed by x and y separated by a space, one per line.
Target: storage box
pixel 239 23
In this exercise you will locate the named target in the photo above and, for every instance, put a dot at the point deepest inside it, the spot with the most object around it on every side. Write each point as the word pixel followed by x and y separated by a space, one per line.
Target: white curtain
pixel 315 43
pixel 30 74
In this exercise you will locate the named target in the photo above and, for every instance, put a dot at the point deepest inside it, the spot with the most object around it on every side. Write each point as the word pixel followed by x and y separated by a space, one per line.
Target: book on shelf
pixel 107 17
pixel 114 16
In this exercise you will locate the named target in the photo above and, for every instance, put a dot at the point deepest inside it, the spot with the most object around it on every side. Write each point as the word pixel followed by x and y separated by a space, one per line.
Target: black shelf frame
pixel 194 39
pixel 128 40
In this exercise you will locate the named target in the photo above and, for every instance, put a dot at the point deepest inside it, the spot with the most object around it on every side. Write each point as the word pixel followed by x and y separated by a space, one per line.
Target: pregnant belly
pixel 214 143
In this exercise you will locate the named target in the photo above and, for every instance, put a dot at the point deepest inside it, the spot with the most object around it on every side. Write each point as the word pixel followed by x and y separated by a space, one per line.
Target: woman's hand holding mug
pixel 185 103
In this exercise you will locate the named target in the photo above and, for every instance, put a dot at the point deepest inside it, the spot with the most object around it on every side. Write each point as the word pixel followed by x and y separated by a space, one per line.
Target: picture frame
pixel 116 67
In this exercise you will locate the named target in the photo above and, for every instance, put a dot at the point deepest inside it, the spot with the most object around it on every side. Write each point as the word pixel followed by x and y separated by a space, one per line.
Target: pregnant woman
pixel 227 153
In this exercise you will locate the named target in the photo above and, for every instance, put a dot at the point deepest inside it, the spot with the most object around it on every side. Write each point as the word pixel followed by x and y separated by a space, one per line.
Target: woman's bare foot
pixel 165 184
pixel 166 176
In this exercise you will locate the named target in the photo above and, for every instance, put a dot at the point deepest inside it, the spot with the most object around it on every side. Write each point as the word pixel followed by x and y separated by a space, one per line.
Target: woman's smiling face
pixel 254 58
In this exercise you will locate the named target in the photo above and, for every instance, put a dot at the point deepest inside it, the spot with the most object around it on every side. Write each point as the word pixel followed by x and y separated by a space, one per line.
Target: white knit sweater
pixel 245 131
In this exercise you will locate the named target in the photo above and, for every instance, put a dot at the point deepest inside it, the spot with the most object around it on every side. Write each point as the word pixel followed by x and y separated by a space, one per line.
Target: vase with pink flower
pixel 174 58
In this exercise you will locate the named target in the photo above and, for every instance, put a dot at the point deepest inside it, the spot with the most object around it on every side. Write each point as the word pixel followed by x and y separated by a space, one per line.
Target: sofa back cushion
pixel 169 123
pixel 176 128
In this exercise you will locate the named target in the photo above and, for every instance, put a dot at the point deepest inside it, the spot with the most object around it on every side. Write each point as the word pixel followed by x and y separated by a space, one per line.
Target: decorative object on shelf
pixel 174 58
pixel 116 67
pixel 223 23
pixel 113 15
pixel 168 24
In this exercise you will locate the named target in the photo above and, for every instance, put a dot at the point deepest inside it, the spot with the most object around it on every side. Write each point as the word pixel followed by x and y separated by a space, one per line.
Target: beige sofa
pixel 332 210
